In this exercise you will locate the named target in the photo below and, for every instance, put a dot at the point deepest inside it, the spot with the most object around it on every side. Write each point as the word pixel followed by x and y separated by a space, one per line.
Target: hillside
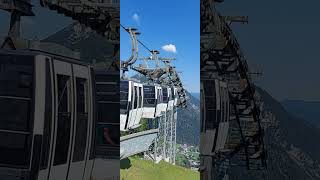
pixel 188 125
pixel 138 169
pixel 306 110
pixel 79 39
pixel 292 145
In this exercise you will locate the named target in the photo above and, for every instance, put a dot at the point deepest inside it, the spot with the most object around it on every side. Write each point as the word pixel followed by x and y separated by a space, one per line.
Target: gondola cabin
pixel 176 96
pixel 48 110
pixel 131 104
pixel 46 107
pixel 170 99
pixel 215 113
pixel 162 100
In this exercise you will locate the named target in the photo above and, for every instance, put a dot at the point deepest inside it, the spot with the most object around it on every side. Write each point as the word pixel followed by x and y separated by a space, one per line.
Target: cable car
pixel 47 127
pixel 131 104
pixel 170 98
pixel 175 95
pixel 162 102
pixel 150 101
pixel 215 116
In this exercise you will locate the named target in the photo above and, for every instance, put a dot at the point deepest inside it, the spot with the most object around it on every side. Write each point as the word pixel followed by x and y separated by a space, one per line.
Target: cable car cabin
pixel 131 104
pixel 170 98
pixel 46 110
pixel 215 113
pixel 107 107
pixel 150 101
pixel 163 100
pixel 176 96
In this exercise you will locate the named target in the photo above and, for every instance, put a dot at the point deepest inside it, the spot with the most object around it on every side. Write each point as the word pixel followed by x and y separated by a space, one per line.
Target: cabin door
pixel 82 122
pixel 64 117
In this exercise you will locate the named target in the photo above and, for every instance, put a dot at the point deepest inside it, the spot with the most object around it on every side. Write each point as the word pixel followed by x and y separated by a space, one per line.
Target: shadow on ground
pixel 125 163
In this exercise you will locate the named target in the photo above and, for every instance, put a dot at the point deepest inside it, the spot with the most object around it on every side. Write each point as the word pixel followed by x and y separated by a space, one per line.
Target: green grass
pixel 138 169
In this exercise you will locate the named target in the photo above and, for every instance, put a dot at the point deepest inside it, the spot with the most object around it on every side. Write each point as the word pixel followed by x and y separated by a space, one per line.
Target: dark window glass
pixel 211 105
pixel 64 121
pixel 124 91
pixel 140 97
pixel 165 95
pixel 172 93
pixel 149 96
pixel 108 98
pixel 16 76
pixel 47 120
pixel 108 113
pixel 15 114
pixel 16 109
pixel 135 97
pixel 14 149
pixel 82 120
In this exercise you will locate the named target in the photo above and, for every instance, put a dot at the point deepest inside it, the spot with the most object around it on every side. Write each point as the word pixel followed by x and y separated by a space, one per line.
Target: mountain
pixel 92 46
pixel 196 95
pixel 292 145
pixel 306 110
pixel 188 123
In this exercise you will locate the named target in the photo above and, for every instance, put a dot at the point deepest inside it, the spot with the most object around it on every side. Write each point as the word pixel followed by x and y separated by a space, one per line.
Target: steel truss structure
pixel 222 58
pixel 165 145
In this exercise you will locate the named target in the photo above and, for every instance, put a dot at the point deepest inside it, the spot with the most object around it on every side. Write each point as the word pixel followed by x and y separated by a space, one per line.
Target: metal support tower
pixel 165 144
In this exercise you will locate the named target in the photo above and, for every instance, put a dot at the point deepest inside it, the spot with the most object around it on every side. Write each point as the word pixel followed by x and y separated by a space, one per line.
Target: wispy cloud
pixel 136 18
pixel 170 48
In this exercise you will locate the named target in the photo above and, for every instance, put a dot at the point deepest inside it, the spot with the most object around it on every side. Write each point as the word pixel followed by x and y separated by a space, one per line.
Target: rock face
pixel 292 146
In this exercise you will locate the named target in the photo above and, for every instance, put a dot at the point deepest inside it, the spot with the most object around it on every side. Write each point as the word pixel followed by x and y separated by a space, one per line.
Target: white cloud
pixel 170 48
pixel 136 18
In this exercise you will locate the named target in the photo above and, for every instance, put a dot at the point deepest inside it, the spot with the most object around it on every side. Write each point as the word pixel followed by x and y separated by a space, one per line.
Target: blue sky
pixel 162 23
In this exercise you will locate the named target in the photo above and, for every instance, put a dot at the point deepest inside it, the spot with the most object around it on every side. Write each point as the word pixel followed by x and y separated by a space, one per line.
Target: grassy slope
pixel 146 170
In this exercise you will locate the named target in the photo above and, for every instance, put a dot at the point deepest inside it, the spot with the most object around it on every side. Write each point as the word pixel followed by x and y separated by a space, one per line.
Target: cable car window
pixel 140 97
pixel 16 109
pixel 210 102
pixel 64 121
pixel 135 97
pixel 16 76
pixel 108 112
pixel 222 104
pixel 165 95
pixel 47 120
pixel 124 91
pixel 14 149
pixel 108 101
pixel 82 120
pixel 108 134
pixel 172 93
pixel 149 96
